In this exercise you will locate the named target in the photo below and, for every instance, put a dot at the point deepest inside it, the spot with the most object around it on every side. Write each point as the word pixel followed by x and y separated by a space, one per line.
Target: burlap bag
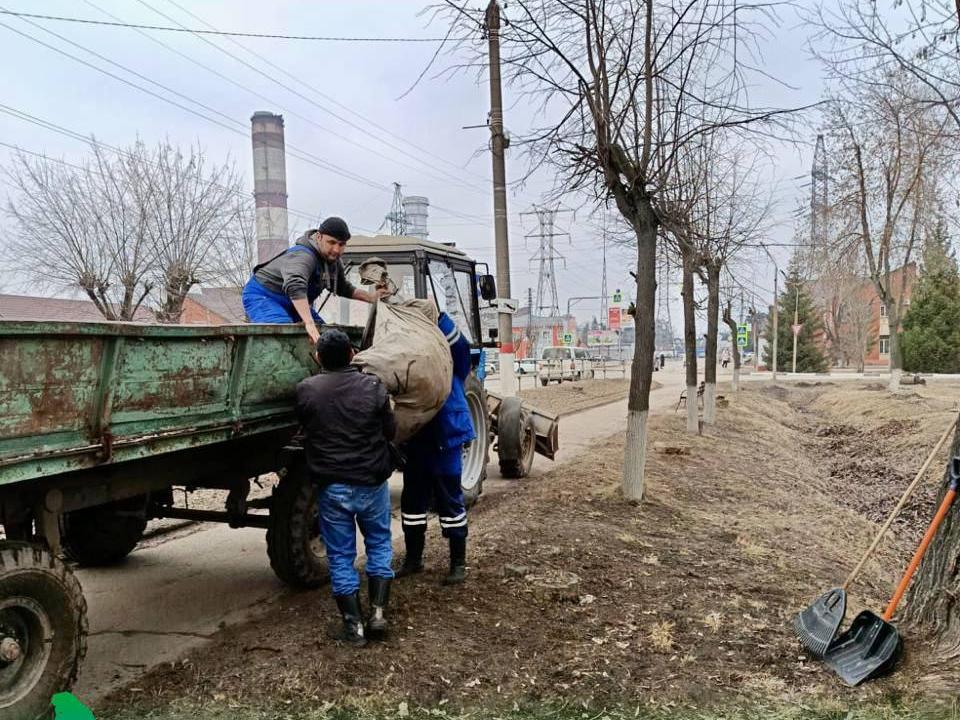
pixel 411 357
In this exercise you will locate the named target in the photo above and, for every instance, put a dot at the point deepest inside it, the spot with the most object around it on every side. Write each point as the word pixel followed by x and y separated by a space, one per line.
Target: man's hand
pixel 313 333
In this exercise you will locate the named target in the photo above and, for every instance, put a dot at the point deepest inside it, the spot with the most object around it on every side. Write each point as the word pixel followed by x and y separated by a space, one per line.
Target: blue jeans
pixel 344 508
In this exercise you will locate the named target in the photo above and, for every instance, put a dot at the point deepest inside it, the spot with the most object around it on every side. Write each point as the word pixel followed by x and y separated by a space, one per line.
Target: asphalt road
pixel 176 591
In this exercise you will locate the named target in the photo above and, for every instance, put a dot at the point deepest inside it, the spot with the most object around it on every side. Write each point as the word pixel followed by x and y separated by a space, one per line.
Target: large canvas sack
pixel 411 357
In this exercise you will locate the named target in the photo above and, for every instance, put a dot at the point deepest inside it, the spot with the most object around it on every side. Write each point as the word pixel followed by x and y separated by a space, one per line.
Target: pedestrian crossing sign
pixel 568 338
pixel 617 297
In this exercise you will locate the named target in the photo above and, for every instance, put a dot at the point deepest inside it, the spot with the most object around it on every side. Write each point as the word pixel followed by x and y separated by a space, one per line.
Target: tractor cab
pixel 420 269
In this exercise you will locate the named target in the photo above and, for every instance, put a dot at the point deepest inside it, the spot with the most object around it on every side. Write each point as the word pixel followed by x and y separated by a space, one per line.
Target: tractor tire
pixel 104 534
pixel 43 630
pixel 476 454
pixel 516 439
pixel 294 544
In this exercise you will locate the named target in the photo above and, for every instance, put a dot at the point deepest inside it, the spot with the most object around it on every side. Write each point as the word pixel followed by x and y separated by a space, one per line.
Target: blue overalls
pixel 266 306
pixel 435 454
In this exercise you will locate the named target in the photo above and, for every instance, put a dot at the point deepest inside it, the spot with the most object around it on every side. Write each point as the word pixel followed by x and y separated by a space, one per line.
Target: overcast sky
pixel 331 95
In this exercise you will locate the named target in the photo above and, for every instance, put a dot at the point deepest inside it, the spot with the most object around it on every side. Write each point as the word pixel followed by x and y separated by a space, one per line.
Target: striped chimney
pixel 269 184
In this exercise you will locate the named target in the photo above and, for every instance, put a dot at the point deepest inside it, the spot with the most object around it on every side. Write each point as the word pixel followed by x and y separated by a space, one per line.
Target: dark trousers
pixel 432 474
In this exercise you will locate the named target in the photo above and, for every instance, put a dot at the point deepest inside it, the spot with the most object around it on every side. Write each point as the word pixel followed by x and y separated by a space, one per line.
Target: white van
pixel 561 363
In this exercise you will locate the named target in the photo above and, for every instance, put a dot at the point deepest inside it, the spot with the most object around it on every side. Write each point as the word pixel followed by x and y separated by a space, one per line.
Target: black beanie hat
pixel 333 349
pixel 336 228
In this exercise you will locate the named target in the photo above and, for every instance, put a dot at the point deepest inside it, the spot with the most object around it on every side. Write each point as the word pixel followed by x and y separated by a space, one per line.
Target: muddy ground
pixel 580 603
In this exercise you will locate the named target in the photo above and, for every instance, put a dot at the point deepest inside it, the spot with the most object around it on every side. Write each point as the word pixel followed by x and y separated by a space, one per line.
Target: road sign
pixel 568 338
pixel 506 305
pixel 742 341
pixel 617 297
pixel 613 318
pixel 796 329
pixel 601 337
pixel 743 330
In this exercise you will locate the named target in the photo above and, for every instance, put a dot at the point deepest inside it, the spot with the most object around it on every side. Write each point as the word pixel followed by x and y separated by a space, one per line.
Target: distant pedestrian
pixel 725 358
pixel 348 422
pixel 663 360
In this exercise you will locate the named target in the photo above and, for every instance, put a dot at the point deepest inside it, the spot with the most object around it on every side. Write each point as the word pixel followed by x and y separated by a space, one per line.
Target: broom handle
pixel 896 511
pixel 918 556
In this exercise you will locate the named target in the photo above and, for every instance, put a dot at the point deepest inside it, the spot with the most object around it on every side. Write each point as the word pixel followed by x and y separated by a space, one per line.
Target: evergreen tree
pixel 930 341
pixel 810 357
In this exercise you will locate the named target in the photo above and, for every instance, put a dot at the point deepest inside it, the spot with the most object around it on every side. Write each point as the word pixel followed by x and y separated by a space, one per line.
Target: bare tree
pixel 732 324
pixel 917 40
pixel 125 225
pixel 235 254
pixel 734 212
pixel 80 227
pixel 889 147
pixel 192 209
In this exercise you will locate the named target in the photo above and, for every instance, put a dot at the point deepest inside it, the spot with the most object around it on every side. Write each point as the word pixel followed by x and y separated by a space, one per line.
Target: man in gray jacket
pixel 283 289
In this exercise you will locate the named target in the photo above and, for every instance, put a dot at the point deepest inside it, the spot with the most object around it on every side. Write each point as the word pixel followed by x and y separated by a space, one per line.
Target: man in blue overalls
pixel 282 289
pixel 433 468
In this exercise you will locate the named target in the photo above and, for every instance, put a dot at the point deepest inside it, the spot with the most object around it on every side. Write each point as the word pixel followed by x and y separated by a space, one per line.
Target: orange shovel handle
pixel 918 556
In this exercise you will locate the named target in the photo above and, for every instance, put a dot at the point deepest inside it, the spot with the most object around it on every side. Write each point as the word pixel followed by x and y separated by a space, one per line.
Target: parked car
pixel 526 366
pixel 491 367
pixel 561 363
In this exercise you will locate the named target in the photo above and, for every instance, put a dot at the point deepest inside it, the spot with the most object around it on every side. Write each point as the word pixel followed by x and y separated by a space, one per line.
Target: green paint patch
pixel 68 707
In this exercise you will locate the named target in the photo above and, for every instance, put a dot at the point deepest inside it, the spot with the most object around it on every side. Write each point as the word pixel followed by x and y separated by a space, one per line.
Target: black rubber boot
pixel 350 630
pixel 413 558
pixel 458 562
pixel 379 591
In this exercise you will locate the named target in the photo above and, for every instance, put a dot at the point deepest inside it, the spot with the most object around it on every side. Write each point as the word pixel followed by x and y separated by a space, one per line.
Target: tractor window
pixel 453 293
pixel 346 311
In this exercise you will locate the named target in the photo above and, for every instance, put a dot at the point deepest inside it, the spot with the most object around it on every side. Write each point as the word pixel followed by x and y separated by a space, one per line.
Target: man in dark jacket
pixel 433 468
pixel 283 289
pixel 349 424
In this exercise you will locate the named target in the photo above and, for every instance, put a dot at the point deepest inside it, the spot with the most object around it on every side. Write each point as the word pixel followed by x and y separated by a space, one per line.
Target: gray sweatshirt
pixel 294 272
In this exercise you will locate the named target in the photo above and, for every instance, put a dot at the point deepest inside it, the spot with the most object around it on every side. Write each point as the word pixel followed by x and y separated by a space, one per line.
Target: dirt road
pixel 173 594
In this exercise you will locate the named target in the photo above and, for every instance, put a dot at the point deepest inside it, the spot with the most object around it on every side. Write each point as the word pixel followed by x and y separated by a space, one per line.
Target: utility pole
pixel 796 321
pixel 499 143
pixel 776 294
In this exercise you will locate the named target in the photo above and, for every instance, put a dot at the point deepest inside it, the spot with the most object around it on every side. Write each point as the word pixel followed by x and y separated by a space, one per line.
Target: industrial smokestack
pixel 415 209
pixel 269 184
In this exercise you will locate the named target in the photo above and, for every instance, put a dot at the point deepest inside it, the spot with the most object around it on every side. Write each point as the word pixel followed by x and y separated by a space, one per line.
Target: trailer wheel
pixel 516 439
pixel 294 544
pixel 544 381
pixel 104 534
pixel 477 453
pixel 43 629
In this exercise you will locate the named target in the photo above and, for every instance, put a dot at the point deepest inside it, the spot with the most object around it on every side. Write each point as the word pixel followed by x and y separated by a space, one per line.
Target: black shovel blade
pixel 817 625
pixel 869 649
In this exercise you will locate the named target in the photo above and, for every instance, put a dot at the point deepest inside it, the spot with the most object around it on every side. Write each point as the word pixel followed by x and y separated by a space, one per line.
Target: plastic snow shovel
pixel 872 645
pixel 817 625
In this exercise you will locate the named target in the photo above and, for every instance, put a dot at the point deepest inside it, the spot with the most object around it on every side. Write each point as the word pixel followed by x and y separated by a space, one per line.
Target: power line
pixel 301 155
pixel 327 98
pixel 314 38
pixel 47 125
pixel 280 107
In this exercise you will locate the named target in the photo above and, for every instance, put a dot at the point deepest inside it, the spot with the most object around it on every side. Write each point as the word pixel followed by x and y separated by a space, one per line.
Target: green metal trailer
pixel 100 421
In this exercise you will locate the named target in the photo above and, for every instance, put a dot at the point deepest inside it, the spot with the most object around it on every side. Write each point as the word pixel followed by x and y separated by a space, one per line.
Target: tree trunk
pixel 641 371
pixel 690 341
pixel 732 324
pixel 933 600
pixel 710 354
pixel 896 364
